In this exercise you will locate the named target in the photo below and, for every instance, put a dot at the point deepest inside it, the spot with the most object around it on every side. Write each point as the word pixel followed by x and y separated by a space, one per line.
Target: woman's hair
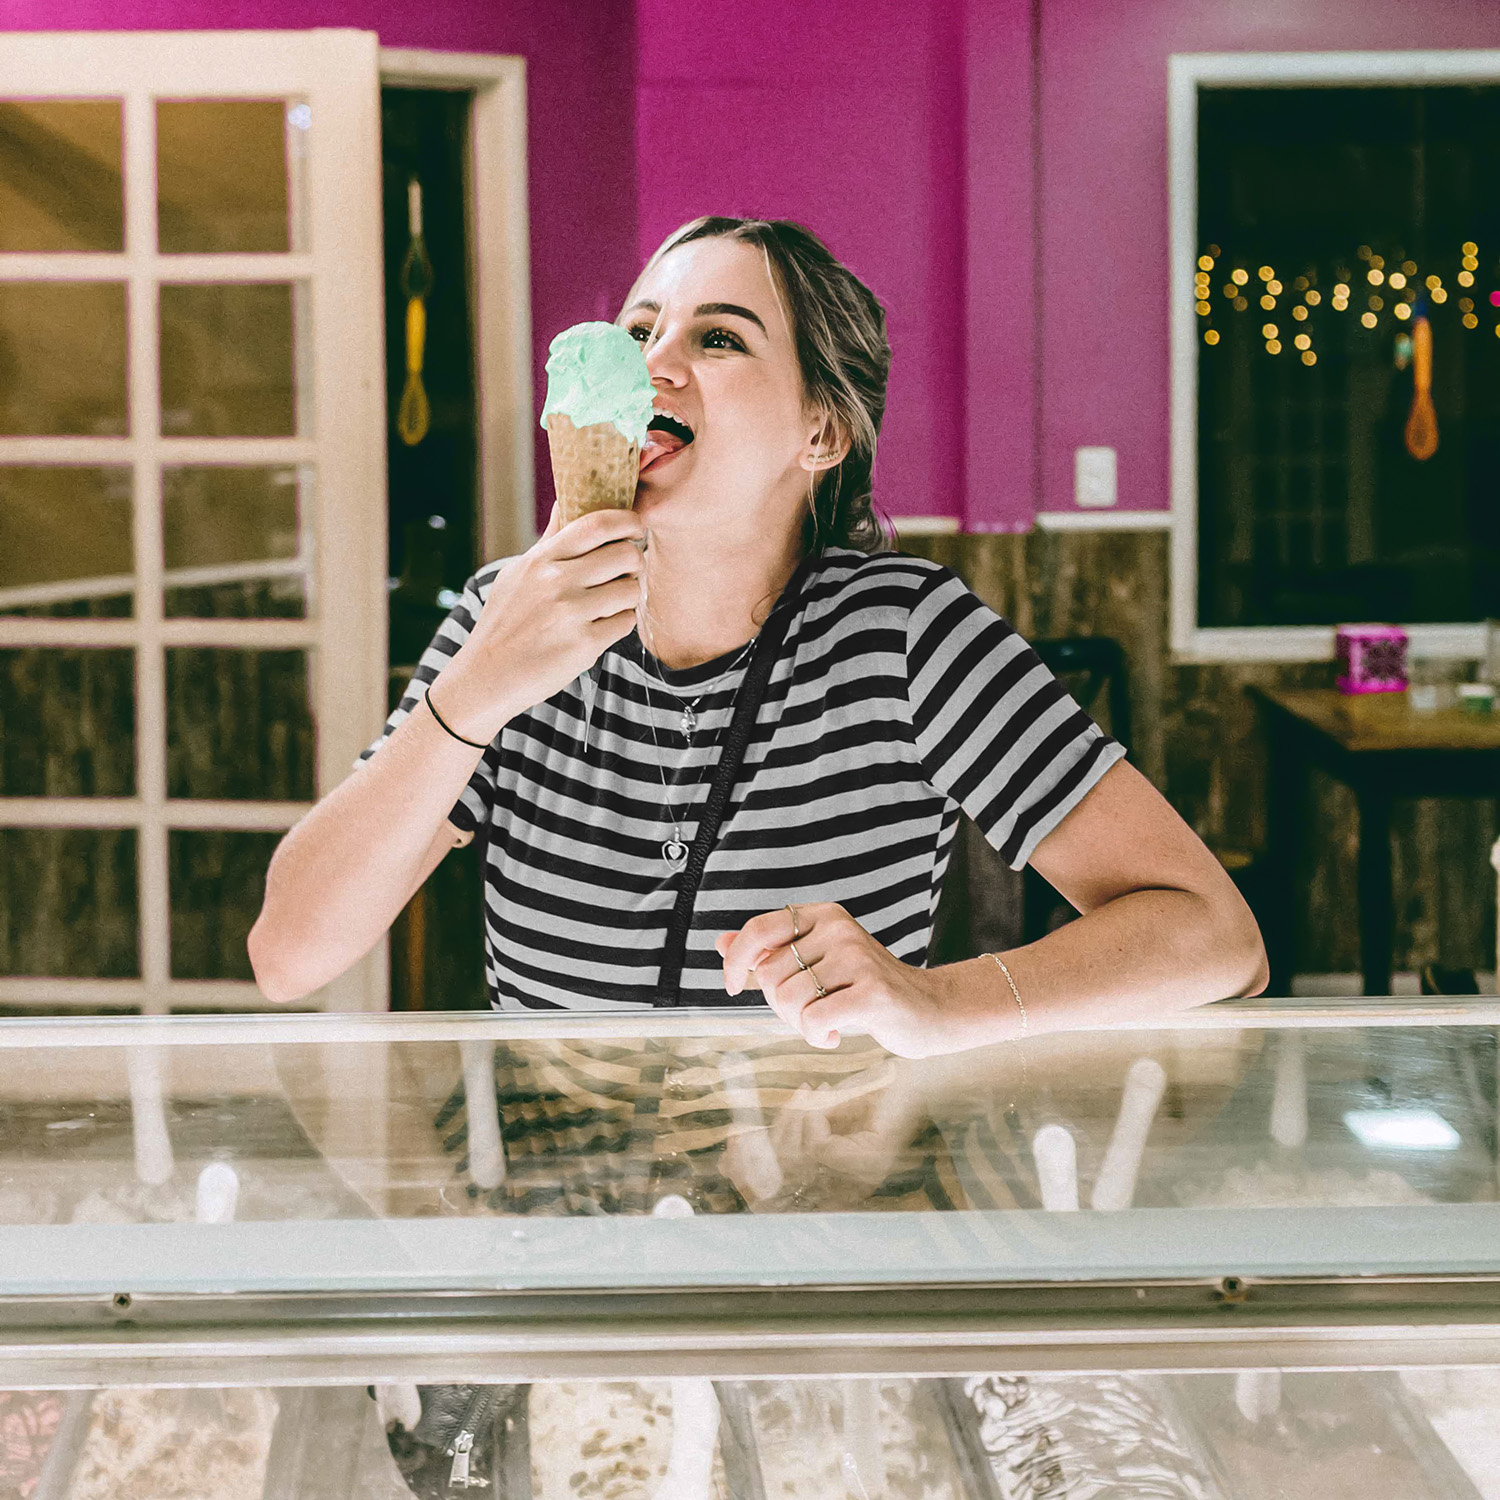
pixel 838 329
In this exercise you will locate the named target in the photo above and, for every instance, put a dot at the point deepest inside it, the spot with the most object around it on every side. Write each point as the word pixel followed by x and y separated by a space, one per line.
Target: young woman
pixel 573 709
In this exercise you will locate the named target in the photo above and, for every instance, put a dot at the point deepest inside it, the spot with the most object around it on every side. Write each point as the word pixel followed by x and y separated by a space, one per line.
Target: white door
pixel 192 494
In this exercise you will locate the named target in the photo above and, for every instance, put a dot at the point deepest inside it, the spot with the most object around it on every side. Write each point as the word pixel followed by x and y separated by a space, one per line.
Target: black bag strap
pixel 746 707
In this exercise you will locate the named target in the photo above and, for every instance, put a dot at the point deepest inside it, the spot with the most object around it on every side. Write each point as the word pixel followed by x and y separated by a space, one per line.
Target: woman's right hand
pixel 550 614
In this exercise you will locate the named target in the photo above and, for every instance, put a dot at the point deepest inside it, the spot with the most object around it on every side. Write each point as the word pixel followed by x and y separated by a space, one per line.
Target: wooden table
pixel 1378 747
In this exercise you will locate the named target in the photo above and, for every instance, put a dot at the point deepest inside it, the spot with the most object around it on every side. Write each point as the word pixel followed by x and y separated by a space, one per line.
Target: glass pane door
pixel 190 402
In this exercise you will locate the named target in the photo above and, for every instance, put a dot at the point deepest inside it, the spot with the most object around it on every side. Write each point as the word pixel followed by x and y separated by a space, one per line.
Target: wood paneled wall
pixel 1196 735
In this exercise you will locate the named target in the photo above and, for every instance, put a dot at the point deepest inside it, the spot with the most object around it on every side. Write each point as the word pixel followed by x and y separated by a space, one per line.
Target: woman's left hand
pixel 906 1010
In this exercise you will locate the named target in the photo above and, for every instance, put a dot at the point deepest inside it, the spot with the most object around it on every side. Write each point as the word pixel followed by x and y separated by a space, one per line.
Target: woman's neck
pixel 704 602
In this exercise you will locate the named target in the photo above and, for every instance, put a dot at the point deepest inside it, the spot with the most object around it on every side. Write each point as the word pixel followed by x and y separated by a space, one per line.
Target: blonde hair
pixel 837 327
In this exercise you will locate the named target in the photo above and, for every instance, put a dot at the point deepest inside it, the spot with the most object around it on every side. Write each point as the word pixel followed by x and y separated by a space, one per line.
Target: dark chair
pixel 1093 668
pixel 985 905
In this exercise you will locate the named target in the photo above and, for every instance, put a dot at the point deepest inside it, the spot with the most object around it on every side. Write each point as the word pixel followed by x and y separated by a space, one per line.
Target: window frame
pixel 1187 73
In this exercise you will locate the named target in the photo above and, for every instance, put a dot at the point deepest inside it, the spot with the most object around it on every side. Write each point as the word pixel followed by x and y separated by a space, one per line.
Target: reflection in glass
pixel 68 903
pixel 218 879
pixel 67 722
pixel 62 359
pixel 239 724
pixel 227 361
pixel 221 175
pixel 233 538
pixel 65 536
pixel 60 180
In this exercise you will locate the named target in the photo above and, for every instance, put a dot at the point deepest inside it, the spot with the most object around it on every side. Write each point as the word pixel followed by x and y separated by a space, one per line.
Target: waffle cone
pixel 593 468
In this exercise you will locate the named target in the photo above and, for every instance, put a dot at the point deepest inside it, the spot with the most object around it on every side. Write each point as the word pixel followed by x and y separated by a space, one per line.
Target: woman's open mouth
pixel 666 437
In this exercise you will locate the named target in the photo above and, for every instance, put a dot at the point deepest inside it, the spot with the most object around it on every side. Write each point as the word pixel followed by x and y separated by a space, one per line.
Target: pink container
pixel 1371 658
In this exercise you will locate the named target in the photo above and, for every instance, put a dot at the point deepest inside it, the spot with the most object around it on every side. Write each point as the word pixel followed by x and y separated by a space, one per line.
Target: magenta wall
pixel 845 114
pixel 581 118
pixel 919 137
pixel 1103 345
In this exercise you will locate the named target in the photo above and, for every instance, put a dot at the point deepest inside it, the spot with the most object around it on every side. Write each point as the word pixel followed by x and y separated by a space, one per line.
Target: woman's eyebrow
pixel 729 310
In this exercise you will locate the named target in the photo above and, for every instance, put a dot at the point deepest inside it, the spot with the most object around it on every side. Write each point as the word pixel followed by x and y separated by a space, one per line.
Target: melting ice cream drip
pixel 695 1412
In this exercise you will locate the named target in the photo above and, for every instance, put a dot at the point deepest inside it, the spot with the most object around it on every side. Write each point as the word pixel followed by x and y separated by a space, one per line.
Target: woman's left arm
pixel 1162 928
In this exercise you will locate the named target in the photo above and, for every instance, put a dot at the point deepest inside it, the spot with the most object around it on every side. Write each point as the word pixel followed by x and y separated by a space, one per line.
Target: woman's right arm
pixel 340 877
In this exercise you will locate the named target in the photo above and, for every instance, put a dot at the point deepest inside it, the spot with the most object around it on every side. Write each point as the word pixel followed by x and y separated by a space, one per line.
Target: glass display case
pixel 1253 1252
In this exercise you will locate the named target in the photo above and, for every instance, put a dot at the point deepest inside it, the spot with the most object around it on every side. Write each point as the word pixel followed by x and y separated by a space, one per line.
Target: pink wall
pixel 849 115
pixel 1103 345
pixel 901 130
pixel 580 81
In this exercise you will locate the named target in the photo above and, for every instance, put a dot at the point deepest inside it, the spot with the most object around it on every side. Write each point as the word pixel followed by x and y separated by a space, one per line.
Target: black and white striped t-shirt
pixel 897 698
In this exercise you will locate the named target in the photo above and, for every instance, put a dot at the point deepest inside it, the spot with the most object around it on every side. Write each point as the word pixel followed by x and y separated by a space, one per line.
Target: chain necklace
pixel 673 850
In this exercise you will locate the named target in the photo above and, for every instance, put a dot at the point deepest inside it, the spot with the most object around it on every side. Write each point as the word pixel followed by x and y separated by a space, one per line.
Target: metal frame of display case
pixel 871 1318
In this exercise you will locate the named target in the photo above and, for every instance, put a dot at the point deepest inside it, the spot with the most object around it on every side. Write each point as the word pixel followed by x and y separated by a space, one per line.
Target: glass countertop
pixel 701 1151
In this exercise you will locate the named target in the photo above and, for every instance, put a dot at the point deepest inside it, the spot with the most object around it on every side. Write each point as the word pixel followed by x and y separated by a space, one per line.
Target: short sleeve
pixel 474 804
pixel 994 729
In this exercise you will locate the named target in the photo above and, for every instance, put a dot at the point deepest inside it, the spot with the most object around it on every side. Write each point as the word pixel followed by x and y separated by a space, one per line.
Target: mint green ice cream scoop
pixel 596 372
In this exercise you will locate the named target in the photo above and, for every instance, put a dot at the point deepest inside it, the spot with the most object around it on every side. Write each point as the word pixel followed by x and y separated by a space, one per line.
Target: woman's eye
pixel 640 332
pixel 721 338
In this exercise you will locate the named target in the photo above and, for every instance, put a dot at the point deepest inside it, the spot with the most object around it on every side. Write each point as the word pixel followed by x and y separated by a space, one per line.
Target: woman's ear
pixel 826 445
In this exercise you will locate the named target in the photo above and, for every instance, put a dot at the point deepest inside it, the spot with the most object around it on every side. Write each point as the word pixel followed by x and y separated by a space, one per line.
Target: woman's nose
pixel 664 362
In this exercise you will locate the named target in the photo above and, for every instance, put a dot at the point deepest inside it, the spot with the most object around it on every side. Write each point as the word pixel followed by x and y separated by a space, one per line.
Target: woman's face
pixel 721 358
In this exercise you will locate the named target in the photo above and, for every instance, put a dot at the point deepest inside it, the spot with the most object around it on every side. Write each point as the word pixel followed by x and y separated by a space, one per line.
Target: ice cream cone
pixel 593 468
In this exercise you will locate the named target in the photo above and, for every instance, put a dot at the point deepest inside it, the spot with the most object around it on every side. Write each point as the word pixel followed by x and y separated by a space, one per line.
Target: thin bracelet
pixel 1025 1023
pixel 443 723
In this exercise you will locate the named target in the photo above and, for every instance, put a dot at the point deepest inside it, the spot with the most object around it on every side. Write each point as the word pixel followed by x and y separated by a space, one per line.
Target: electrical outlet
pixel 1094 477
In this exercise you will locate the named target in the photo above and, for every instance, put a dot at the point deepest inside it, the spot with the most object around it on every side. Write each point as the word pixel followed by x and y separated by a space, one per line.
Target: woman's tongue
pixel 659 443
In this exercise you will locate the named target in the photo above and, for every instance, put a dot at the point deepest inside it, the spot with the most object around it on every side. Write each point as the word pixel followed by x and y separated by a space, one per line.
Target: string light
pixel 1269 303
pixel 1239 277
pixel 1273 346
pixel 1308 357
pixel 1204 309
pixel 1314 297
pixel 1300 284
pixel 1470 248
pixel 1303 341
pixel 1470 321
pixel 1210 336
pixel 1214 251
pixel 1240 304
pixel 1368 319
pixel 1375 276
pixel 1230 289
pixel 1466 278
pixel 1300 314
pixel 1265 273
pixel 1470 263
pixel 1434 282
pixel 1274 288
pixel 1376 304
pixel 1378 262
pixel 1269 331
pixel 1397 280
pixel 1466 304
pixel 1402 310
pixel 1409 267
pixel 1363 252
pixel 1205 263
pixel 1439 295
pixel 1341 290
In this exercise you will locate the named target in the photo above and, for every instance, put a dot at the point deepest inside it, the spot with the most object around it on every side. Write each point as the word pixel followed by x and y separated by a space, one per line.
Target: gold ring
pixel 808 969
pixel 796 931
